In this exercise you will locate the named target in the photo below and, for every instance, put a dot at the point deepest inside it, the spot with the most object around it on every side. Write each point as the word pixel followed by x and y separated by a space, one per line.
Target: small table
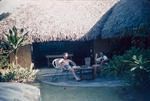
pixel 86 73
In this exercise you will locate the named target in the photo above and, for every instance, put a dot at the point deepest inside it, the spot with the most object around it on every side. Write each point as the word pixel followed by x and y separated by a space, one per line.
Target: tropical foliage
pixel 18 74
pixel 3 55
pixel 14 72
pixel 14 39
pixel 139 70
pixel 3 61
pixel 133 66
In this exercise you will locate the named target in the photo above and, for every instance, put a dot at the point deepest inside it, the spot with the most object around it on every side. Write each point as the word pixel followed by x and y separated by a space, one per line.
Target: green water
pixel 53 93
pixel 60 93
pixel 57 93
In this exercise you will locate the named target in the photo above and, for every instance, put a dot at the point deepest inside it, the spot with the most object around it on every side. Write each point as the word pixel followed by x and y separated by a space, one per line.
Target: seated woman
pixel 69 65
pixel 99 60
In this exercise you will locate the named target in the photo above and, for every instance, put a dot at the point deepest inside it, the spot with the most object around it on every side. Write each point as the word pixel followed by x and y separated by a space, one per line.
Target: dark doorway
pixel 79 49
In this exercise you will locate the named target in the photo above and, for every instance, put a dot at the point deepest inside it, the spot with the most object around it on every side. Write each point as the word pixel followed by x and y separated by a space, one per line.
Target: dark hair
pixel 65 54
pixel 101 53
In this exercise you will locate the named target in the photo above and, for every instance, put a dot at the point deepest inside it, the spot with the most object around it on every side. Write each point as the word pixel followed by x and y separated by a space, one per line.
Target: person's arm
pixel 73 63
pixel 99 60
pixel 105 59
pixel 60 61
pixel 96 56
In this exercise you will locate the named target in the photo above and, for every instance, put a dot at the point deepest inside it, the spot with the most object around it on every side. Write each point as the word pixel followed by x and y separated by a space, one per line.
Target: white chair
pixel 61 70
pixel 58 69
pixel 55 63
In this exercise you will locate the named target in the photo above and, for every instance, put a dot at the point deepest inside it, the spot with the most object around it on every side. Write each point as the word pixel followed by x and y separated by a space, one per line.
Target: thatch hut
pixel 56 20
pixel 50 21
pixel 126 20
pixel 76 21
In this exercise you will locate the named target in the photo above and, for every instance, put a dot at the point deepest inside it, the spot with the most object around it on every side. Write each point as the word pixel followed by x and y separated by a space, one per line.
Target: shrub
pixel 6 76
pixel 139 71
pixel 115 67
pixel 14 39
pixel 3 61
pixel 18 74
pixel 9 76
pixel 3 55
pixel 23 74
pixel 133 66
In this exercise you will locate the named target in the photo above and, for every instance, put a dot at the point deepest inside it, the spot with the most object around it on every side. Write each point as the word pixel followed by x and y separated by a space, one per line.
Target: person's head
pixel 101 54
pixel 66 55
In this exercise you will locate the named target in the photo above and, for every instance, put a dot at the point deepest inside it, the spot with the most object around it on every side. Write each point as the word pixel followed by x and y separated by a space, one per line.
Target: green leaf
pixel 10 31
pixel 141 67
pixel 15 39
pixel 134 57
pixel 133 69
pixel 14 30
pixel 22 30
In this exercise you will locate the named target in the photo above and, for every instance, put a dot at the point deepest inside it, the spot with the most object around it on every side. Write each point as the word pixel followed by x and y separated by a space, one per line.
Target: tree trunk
pixel 16 57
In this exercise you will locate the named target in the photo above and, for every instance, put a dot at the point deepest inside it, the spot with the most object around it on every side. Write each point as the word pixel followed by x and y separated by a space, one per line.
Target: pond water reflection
pixel 60 93
pixel 55 93
pixel 59 89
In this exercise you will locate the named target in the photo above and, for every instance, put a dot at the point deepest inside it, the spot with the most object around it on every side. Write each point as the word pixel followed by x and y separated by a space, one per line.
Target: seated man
pixel 102 59
pixel 69 65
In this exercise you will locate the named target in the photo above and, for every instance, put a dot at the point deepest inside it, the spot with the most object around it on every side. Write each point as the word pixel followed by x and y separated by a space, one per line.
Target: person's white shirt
pixel 102 58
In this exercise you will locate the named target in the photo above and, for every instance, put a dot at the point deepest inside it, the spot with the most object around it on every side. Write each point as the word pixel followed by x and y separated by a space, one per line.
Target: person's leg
pixel 75 67
pixel 96 66
pixel 74 74
pixel 95 70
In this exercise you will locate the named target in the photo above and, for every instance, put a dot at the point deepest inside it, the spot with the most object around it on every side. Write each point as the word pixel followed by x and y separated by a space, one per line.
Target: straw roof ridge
pixel 125 18
pixel 95 31
pixel 129 18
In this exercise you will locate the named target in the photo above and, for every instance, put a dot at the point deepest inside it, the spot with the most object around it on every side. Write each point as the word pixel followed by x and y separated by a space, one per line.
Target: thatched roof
pixel 125 18
pixel 54 19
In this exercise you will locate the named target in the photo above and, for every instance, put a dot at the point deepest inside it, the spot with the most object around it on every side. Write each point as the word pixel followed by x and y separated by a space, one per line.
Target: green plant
pixel 18 74
pixel 6 76
pixel 138 62
pixel 3 55
pixel 3 61
pixel 1 77
pixel 14 39
pixel 139 71
pixel 115 67
pixel 121 68
pixel 23 74
pixel 133 66
pixel 9 77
